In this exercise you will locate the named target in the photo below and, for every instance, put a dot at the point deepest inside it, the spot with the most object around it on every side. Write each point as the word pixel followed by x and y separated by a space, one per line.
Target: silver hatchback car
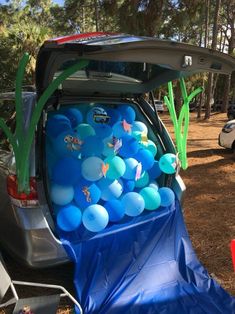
pixel 122 68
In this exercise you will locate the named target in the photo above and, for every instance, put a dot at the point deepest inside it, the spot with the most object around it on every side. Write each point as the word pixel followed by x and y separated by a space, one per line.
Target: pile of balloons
pixel 102 166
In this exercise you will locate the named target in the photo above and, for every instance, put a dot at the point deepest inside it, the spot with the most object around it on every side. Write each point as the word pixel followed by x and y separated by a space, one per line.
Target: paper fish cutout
pixel 117 144
pixel 26 310
pixel 105 168
pixel 138 171
pixel 144 138
pixel 73 143
pixel 87 193
pixel 126 126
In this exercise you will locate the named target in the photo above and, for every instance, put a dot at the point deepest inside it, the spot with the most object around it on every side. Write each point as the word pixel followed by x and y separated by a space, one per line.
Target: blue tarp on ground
pixel 144 266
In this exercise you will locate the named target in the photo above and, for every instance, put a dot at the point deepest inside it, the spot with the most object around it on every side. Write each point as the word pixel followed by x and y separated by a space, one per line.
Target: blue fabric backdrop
pixel 144 266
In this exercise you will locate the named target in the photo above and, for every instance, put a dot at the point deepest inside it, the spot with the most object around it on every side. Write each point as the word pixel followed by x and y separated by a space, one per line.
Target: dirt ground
pixel 209 209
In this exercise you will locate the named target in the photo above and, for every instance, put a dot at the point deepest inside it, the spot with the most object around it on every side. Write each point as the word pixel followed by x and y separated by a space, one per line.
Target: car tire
pixel 230 116
pixel 233 148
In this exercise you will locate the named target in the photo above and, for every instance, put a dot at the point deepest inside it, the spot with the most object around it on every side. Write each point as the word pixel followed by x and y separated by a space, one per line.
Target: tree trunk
pixel 210 77
pixel 231 46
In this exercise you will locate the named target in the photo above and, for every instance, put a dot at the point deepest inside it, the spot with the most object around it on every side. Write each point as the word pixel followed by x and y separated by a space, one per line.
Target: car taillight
pixel 22 199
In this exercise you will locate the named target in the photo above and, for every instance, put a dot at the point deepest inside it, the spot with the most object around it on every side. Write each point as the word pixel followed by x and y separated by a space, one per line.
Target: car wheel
pixel 233 147
pixel 231 116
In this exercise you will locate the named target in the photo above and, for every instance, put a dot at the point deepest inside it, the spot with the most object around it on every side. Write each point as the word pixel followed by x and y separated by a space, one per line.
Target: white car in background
pixel 227 136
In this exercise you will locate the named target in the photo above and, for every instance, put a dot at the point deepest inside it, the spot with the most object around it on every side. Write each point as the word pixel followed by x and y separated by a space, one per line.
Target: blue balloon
pixel 155 171
pixel 119 131
pixel 66 171
pixel 127 112
pixel 103 130
pixel 61 195
pixel 140 127
pixel 86 194
pixel 84 130
pixel 97 116
pixel 92 168
pixel 128 185
pixel 133 204
pixel 114 115
pixel 131 167
pixel 110 189
pixel 92 146
pixel 115 210
pixel 129 146
pixel 116 167
pixel 167 196
pixel 67 144
pixel 143 180
pixel 95 218
pixel 145 158
pixel 69 218
pixel 108 147
pixel 74 116
pixel 151 198
pixel 57 124
pixel 51 158
pixel 167 163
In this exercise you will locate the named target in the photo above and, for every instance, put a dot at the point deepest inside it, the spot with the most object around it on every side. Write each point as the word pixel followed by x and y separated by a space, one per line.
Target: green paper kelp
pixel 181 124
pixel 21 141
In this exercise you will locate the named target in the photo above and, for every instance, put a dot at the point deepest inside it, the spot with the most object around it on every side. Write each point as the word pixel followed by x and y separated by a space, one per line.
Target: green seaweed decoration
pixel 181 124
pixel 22 141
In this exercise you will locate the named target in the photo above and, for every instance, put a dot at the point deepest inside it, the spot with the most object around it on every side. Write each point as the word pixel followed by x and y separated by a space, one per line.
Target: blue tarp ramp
pixel 146 265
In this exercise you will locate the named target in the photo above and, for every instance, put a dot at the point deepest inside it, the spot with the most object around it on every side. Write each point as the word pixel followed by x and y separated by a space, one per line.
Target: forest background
pixel 25 25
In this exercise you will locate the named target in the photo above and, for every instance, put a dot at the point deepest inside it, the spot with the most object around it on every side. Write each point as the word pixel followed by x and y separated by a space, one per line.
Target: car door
pixel 123 65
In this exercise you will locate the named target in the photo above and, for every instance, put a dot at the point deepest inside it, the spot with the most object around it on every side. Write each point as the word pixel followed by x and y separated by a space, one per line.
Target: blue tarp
pixel 144 266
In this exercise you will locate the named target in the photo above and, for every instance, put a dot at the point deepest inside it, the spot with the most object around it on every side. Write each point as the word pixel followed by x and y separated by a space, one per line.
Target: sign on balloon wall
pixel 103 167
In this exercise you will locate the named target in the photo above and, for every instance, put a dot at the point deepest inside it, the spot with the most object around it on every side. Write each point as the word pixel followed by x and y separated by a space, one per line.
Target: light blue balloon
pixel 92 168
pixel 115 210
pixel 151 198
pixel 67 144
pixel 143 180
pixel 153 184
pixel 86 194
pixel 167 196
pixel 108 147
pixel 110 189
pixel 116 168
pixel 139 126
pixel 84 130
pixel 167 163
pixel 92 146
pixel 133 204
pixel 118 130
pixel 69 218
pixel 61 195
pixel 131 166
pixel 95 218
pixel 152 147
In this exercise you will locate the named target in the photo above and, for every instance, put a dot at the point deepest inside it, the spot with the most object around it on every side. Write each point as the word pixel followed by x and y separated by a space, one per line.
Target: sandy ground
pixel 209 209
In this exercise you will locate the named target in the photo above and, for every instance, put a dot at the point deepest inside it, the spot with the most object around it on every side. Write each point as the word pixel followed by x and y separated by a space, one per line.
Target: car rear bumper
pixel 30 238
